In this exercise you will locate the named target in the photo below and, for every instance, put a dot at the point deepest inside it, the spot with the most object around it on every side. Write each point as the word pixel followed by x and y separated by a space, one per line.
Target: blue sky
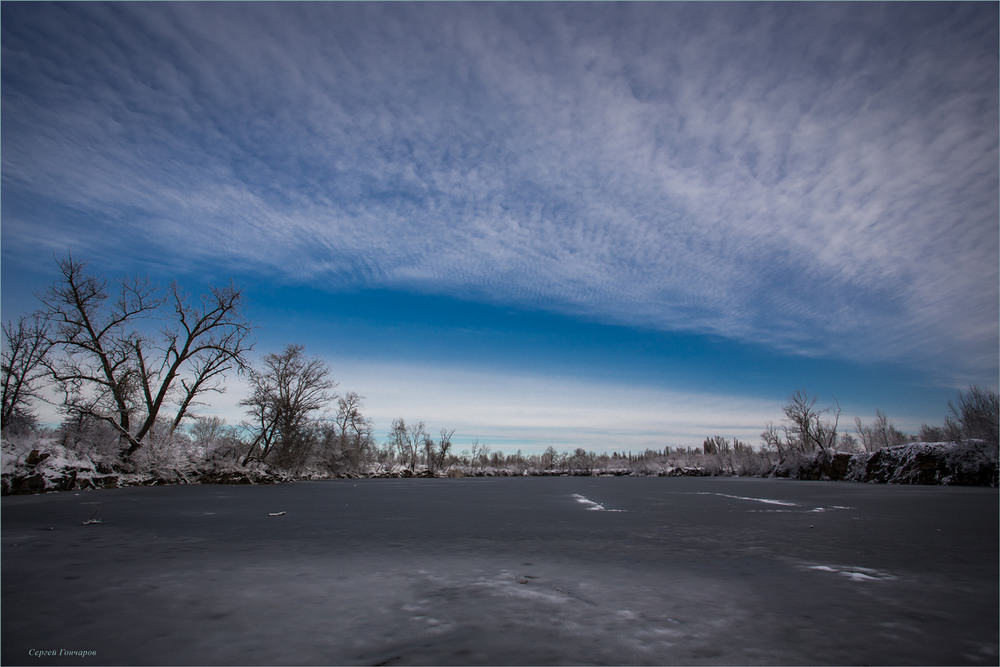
pixel 606 225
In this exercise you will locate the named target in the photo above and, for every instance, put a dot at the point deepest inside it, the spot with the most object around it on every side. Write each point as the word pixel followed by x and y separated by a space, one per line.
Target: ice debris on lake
pixel 591 505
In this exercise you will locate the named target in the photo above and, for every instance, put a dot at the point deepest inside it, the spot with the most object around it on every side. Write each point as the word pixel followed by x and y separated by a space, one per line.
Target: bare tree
pixel 880 434
pixel 437 452
pixel 25 348
pixel 211 337
pixel 429 447
pixel 804 430
pixel 444 446
pixel 932 433
pixel 350 422
pixel 398 440
pixel 407 441
pixel 480 455
pixel 847 443
pixel 351 436
pixel 548 458
pixel 416 435
pixel 581 460
pixel 114 370
pixel 287 389
pixel 772 440
pixel 976 416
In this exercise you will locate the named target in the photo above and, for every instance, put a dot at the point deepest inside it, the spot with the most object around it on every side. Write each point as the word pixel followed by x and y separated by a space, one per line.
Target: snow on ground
pixel 52 459
pixel 591 505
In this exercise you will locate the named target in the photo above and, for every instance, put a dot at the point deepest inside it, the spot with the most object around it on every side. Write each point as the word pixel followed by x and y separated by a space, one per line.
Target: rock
pixel 682 472
pixel 34 458
pixel 972 463
pixel 827 466
pixel 65 483
pixel 225 477
pixel 28 484
pixel 106 481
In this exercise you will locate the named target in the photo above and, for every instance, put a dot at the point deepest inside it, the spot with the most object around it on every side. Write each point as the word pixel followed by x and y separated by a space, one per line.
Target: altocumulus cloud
pixel 819 178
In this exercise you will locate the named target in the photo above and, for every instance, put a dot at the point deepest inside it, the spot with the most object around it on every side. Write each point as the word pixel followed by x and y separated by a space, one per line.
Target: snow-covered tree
pixel 286 391
pixel 977 415
pixel 407 441
pixel 346 441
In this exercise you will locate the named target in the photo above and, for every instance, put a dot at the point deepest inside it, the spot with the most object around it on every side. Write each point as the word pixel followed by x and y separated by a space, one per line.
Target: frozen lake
pixel 538 571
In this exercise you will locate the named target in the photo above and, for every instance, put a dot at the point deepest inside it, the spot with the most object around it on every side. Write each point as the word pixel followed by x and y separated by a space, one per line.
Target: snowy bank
pixel 43 464
pixel 969 463
pixel 966 463
pixel 40 465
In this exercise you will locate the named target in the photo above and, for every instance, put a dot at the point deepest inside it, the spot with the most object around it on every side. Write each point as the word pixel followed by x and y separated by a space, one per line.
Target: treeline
pixel 807 428
pixel 131 362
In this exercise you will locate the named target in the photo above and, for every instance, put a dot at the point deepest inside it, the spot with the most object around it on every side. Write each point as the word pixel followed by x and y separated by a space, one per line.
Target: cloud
pixel 523 410
pixel 821 179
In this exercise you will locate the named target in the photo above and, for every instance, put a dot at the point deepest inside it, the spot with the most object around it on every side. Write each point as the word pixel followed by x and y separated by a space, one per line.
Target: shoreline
pixel 972 463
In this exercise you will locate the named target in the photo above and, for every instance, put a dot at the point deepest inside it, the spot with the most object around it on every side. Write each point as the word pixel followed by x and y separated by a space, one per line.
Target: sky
pixel 614 226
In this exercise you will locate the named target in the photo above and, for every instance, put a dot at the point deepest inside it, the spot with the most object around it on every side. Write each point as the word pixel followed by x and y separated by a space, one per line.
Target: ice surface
pixel 504 571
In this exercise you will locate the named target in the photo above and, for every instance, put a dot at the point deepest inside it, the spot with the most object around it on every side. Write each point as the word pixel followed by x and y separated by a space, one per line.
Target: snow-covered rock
pixel 968 463
pixel 38 465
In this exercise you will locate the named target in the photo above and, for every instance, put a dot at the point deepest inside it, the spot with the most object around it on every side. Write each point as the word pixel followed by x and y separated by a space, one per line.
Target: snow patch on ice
pixel 769 501
pixel 831 507
pixel 591 505
pixel 854 573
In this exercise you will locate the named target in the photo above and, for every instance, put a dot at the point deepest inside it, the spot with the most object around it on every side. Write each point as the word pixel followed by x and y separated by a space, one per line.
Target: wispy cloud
pixel 819 178
pixel 516 409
